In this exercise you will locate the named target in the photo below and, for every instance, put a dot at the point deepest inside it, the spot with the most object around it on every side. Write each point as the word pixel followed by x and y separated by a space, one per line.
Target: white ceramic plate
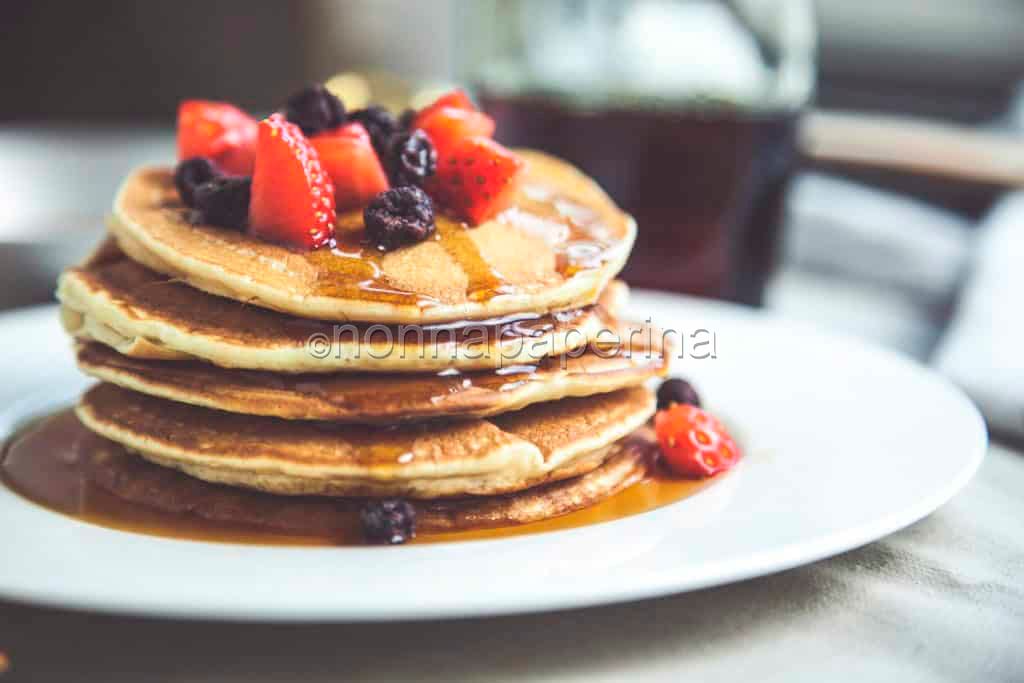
pixel 844 444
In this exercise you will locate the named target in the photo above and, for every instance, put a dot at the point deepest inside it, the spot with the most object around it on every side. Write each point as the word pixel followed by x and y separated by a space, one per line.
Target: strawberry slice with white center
pixel 292 195
pixel 346 154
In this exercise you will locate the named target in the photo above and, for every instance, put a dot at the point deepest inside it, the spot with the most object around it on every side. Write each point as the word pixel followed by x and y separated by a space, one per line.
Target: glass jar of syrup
pixel 685 111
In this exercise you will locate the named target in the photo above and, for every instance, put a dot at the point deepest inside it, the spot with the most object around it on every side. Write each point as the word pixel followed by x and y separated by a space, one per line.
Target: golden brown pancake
pixel 502 454
pixel 133 479
pixel 383 398
pixel 140 313
pixel 555 248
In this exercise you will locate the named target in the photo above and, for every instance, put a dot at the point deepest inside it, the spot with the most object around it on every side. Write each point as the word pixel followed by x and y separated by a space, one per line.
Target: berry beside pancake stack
pixel 392 315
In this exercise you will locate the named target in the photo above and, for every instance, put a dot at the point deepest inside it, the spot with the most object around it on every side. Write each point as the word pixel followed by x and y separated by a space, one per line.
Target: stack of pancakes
pixel 482 373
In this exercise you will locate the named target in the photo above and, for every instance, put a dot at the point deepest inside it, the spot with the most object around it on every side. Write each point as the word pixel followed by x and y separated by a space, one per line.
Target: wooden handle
pixel 913 145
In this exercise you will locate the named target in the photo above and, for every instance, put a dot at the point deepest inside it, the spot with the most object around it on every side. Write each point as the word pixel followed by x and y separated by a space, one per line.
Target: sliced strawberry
pixel 456 98
pixel 219 131
pixel 476 180
pixel 292 195
pixel 449 126
pixel 450 119
pixel 346 153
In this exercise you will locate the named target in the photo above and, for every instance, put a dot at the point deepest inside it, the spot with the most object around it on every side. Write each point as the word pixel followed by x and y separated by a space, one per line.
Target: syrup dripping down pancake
pixel 141 313
pixel 502 454
pixel 386 398
pixel 555 248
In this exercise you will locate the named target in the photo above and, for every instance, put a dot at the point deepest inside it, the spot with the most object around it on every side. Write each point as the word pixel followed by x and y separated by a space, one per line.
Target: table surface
pixel 940 601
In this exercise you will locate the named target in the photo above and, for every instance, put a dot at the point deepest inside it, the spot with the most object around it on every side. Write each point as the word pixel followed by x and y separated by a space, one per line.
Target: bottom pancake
pixel 132 479
pixel 503 454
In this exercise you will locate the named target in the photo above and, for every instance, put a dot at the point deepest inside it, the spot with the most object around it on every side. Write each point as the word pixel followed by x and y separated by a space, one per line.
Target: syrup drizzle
pixel 47 463
pixel 375 396
pixel 485 282
pixel 351 267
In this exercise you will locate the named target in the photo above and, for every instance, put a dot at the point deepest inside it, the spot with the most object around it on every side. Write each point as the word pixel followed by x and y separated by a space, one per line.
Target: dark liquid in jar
pixel 706 186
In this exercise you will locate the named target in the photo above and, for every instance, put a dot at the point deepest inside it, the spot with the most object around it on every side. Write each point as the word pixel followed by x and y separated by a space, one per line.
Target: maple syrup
pixel 50 463
pixel 432 389
pixel 353 268
pixel 707 185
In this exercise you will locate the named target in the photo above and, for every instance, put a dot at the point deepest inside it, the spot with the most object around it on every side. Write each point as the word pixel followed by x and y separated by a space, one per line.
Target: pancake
pixel 140 313
pixel 135 480
pixel 555 248
pixel 502 454
pixel 384 398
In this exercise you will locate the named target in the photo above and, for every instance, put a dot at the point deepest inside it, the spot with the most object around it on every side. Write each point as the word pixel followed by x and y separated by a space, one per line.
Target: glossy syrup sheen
pixel 363 391
pixel 45 464
pixel 353 268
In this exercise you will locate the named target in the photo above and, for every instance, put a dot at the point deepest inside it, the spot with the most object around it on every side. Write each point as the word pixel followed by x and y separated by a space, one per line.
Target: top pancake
pixel 556 247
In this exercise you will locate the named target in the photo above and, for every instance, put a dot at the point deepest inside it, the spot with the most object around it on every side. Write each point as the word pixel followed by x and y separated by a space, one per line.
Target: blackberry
pixel 224 201
pixel 314 109
pixel 405 119
pixel 379 123
pixel 401 215
pixel 190 174
pixel 677 391
pixel 388 521
pixel 411 158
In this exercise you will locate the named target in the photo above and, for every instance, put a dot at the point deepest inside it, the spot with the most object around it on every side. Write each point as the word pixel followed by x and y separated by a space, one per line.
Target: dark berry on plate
pixel 677 391
pixel 388 521
pixel 379 123
pixel 401 215
pixel 314 109
pixel 224 201
pixel 190 174
pixel 412 158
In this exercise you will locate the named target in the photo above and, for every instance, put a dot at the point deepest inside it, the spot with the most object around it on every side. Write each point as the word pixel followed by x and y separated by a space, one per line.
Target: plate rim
pixel 763 563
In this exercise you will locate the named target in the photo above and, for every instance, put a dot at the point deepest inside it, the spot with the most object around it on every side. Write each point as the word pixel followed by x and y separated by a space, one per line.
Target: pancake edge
pixel 517 465
pixel 92 315
pixel 271 402
pixel 581 289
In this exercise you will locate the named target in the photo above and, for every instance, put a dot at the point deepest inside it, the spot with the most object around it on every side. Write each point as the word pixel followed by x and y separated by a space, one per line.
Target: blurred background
pixel 853 165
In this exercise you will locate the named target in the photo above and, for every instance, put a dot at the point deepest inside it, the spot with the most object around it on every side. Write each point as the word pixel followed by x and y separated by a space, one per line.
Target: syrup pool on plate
pixel 47 463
